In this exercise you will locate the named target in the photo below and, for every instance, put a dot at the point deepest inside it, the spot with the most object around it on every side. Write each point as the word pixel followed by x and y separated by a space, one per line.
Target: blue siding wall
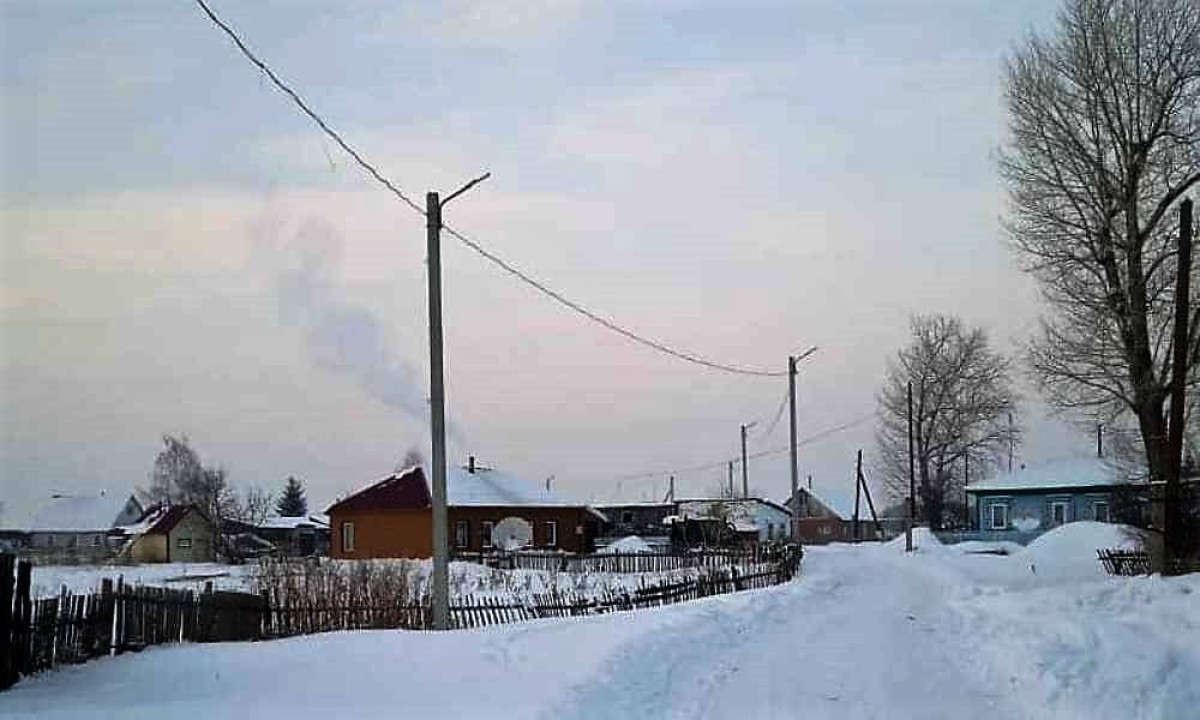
pixel 1031 514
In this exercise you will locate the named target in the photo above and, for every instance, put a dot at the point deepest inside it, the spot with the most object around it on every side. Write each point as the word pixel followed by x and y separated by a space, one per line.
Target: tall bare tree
pixel 1104 118
pixel 962 403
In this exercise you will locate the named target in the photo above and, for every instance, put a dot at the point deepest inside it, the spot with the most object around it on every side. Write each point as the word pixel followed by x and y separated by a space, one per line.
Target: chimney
pixel 471 464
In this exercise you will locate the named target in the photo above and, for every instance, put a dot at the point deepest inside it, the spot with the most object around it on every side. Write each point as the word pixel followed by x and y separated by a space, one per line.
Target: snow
pixel 628 544
pixel 278 522
pixel 82 514
pixel 48 580
pixel 487 487
pixel 1067 473
pixel 867 631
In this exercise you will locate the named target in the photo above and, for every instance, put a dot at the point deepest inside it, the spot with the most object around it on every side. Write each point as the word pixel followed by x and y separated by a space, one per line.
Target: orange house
pixel 393 518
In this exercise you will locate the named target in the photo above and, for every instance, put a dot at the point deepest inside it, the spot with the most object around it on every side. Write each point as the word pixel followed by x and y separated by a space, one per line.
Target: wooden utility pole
pixel 792 448
pixel 866 491
pixel 1179 370
pixel 731 495
pixel 437 407
pixel 857 495
pixel 910 516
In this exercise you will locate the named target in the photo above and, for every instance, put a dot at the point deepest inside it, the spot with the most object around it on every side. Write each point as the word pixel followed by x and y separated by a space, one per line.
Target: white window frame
pixel 462 534
pixel 992 508
pixel 551 533
pixel 183 542
pixel 347 536
pixel 1054 506
pixel 1096 511
pixel 485 534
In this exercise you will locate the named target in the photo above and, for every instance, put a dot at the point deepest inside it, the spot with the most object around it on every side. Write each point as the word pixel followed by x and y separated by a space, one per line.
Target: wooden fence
pixel 627 562
pixel 1137 562
pixel 72 628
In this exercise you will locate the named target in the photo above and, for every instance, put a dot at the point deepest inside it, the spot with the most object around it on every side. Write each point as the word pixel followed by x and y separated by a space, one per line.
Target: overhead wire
pixel 474 245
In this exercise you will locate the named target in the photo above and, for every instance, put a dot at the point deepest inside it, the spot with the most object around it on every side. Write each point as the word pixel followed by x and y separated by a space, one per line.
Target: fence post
pixel 22 616
pixel 8 669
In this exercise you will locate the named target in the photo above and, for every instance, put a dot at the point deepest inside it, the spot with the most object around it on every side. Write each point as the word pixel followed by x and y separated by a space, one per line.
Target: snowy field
pixel 865 632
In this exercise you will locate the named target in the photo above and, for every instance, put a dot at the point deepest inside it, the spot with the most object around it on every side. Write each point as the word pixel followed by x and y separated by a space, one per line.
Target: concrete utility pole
pixel 792 448
pixel 745 473
pixel 731 495
pixel 858 477
pixel 437 406
pixel 911 515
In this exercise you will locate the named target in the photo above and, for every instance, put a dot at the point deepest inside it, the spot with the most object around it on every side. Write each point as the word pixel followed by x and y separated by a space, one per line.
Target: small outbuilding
pixel 175 533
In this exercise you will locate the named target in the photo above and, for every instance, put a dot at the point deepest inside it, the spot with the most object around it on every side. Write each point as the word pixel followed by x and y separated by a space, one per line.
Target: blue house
pixel 1025 503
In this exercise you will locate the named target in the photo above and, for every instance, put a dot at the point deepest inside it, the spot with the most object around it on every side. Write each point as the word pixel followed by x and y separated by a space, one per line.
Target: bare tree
pixel 1104 116
pixel 962 401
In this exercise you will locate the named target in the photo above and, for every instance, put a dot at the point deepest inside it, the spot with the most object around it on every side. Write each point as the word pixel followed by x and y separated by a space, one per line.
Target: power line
pixel 778 415
pixel 807 440
pixel 472 244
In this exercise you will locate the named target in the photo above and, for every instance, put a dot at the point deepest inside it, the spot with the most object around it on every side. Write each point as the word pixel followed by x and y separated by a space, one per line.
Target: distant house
pixel 753 520
pixel 644 520
pixel 393 517
pixel 296 536
pixel 175 533
pixel 1025 503
pixel 77 527
pixel 829 517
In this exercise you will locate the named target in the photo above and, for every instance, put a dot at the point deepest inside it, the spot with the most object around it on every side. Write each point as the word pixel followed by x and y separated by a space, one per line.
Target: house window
pixel 1100 511
pixel 999 516
pixel 1058 513
pixel 627 517
pixel 825 529
pixel 348 537
pixel 97 541
pixel 183 543
pixel 462 534
pixel 770 531
pixel 551 533
pixel 485 532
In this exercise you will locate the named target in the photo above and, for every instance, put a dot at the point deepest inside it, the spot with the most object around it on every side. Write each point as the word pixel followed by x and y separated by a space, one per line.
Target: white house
pixel 78 526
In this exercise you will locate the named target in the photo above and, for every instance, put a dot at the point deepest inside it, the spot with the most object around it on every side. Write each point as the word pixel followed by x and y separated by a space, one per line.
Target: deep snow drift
pixel 865 632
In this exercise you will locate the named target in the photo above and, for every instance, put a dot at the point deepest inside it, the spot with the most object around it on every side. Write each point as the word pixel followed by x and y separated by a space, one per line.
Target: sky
pixel 185 253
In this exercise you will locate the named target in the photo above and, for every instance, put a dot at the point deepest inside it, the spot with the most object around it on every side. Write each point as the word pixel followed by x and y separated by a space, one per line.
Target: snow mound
pixel 923 540
pixel 629 544
pixel 1069 551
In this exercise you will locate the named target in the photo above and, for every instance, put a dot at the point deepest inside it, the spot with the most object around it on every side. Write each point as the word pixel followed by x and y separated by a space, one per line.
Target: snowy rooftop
pixel 486 487
pixel 84 513
pixel 278 522
pixel 1068 473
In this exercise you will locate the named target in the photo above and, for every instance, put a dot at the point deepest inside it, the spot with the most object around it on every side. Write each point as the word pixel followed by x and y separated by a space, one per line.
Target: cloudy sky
pixel 185 253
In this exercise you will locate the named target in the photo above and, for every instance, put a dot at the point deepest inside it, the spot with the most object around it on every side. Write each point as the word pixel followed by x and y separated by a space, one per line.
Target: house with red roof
pixel 393 518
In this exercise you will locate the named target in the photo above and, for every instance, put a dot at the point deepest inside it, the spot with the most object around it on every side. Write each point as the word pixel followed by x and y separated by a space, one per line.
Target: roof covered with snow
pixel 280 522
pixel 1058 474
pixel 85 513
pixel 484 487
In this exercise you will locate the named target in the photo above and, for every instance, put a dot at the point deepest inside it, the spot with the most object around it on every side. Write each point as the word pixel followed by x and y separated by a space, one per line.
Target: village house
pixel 393 517
pixel 175 533
pixel 829 517
pixel 754 521
pixel 644 520
pixel 300 536
pixel 76 528
pixel 1031 500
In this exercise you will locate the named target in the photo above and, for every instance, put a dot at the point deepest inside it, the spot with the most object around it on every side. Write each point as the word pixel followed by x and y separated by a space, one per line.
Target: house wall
pixel 636 519
pixel 1031 513
pixel 408 533
pixel 577 529
pixel 149 549
pixel 773 523
pixel 197 534
pixel 384 534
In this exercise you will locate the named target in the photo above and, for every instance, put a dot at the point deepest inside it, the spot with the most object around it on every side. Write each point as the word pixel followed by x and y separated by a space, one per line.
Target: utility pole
pixel 437 403
pixel 1011 441
pixel 745 474
pixel 910 516
pixel 857 495
pixel 792 448
pixel 731 495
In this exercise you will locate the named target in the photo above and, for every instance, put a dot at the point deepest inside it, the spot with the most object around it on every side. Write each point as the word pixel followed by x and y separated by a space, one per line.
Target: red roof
pixel 399 491
pixel 167 519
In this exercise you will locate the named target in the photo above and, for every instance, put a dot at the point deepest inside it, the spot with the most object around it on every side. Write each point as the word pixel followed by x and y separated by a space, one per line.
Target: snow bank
pixel 1069 551
pixel 630 544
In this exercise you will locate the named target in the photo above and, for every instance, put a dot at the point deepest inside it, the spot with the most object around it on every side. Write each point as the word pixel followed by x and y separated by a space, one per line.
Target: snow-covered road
pixel 866 632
